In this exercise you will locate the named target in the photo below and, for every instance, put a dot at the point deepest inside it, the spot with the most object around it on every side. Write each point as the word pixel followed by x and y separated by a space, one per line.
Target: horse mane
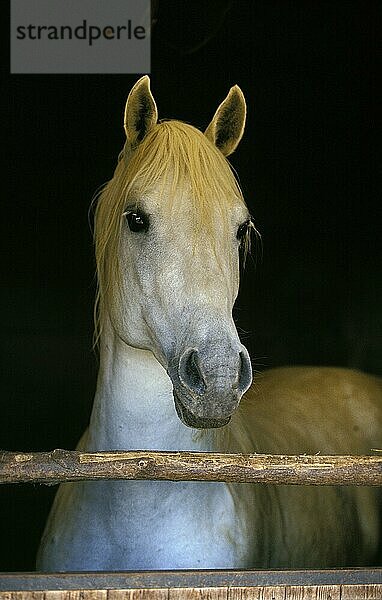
pixel 173 157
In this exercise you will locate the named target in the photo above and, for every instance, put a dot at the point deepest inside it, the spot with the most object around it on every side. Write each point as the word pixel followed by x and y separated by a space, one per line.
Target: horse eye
pixel 137 220
pixel 243 230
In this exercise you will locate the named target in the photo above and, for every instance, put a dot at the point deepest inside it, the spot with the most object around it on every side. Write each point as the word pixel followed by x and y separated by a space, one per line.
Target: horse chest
pixel 163 525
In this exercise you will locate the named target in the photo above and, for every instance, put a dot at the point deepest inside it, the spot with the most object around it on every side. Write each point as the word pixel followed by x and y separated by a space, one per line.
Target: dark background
pixel 307 165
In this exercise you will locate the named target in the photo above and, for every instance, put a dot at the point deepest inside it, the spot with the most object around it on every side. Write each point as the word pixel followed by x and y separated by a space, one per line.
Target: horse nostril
pixel 190 373
pixel 245 371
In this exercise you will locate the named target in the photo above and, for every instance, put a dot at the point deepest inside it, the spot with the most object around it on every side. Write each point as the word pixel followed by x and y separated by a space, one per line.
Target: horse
pixel 174 375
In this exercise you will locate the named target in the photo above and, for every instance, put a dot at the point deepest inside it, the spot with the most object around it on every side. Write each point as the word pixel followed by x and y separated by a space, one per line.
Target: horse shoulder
pixel 295 410
pixel 62 509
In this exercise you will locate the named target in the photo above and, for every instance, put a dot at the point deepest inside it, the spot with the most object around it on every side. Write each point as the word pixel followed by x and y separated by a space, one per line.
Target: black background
pixel 307 165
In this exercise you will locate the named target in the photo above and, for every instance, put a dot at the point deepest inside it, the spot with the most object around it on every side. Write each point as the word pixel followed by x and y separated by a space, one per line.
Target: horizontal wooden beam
pixel 59 466
pixel 144 580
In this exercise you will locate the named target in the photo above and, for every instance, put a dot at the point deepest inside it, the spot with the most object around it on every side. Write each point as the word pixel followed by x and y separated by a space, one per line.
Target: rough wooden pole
pixel 62 465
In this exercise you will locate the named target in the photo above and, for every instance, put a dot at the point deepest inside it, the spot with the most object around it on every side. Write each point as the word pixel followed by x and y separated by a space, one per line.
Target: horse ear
pixel 227 126
pixel 140 112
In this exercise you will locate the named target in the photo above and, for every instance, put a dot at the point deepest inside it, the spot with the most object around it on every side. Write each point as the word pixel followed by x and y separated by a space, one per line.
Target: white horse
pixel 169 226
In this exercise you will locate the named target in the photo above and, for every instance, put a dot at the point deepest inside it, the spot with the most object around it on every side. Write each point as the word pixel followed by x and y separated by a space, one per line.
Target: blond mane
pixel 173 156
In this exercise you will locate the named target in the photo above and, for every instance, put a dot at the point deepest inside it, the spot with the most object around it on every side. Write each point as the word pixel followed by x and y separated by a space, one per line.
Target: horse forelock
pixel 174 157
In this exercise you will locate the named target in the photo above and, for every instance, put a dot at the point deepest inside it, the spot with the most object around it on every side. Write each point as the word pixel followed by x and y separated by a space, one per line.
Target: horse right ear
pixel 140 112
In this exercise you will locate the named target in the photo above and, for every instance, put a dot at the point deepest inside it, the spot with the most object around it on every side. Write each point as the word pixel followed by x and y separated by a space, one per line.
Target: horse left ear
pixel 140 112
pixel 227 126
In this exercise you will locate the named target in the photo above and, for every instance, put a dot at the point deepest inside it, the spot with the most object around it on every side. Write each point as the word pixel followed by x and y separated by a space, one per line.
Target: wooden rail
pixel 62 465
pixel 342 584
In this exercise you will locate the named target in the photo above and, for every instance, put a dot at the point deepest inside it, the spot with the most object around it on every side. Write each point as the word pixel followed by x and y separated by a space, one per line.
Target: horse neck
pixel 134 407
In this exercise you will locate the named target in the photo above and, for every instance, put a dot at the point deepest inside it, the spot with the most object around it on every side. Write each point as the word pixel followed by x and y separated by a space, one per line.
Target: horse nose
pixel 191 372
pixel 245 371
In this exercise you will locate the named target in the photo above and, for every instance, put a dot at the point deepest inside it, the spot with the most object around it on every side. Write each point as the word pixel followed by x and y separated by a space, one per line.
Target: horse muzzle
pixel 208 388
pixel 191 420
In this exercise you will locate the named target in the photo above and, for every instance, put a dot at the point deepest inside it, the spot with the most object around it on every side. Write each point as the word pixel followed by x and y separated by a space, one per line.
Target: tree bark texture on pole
pixel 60 466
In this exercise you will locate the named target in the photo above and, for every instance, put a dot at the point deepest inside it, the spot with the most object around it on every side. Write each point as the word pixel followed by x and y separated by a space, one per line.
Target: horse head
pixel 169 229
